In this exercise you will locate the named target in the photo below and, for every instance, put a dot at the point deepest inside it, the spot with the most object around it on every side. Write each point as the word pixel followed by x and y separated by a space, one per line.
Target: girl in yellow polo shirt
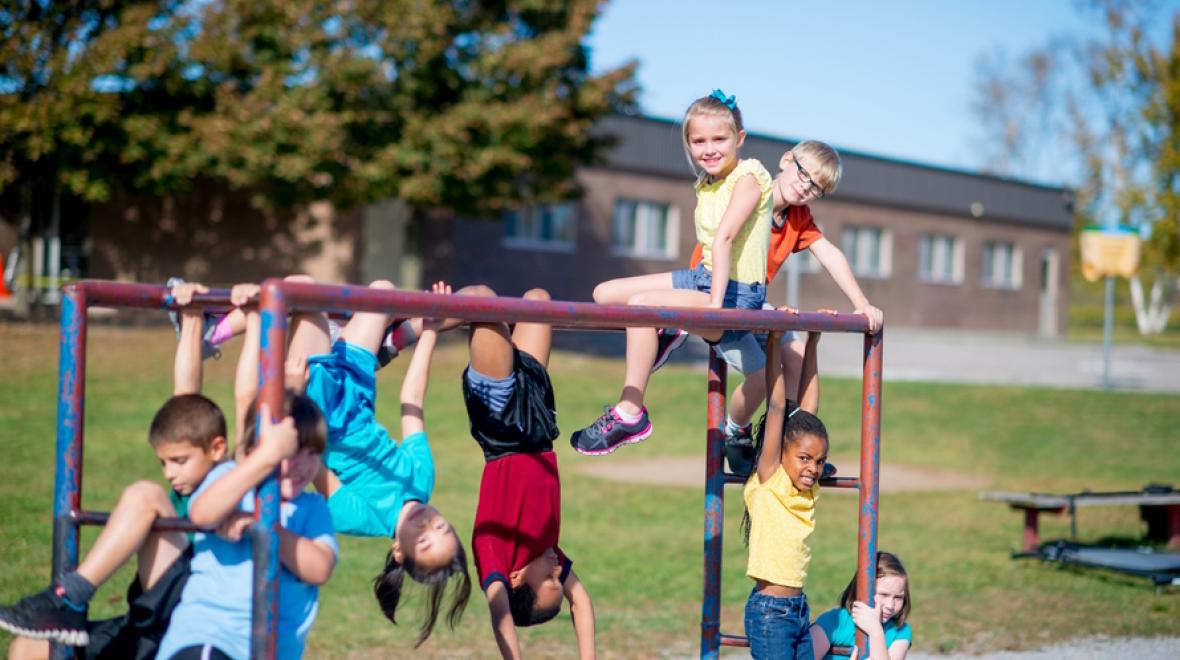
pixel 780 510
pixel 732 221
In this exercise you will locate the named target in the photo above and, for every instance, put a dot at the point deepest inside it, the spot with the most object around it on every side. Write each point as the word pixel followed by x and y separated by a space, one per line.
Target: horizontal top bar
pixel 150 296
pixel 337 298
pixel 341 298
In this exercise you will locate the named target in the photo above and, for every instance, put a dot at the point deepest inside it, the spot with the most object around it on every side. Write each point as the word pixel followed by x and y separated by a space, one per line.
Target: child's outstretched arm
pixel 809 376
pixel 246 376
pixel 582 611
pixel 187 369
pixel 836 264
pixel 502 625
pixel 741 206
pixel 770 459
pixel 413 395
pixel 221 498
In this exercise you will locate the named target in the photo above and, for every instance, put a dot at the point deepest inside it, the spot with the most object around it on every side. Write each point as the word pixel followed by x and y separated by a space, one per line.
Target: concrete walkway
pixel 1002 358
pixel 957 356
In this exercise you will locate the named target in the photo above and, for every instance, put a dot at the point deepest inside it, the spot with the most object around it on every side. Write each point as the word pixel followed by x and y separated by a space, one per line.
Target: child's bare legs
pixel 627 422
pixel 129 530
pixel 367 329
pixel 24 648
pixel 59 612
pixel 619 291
pixel 746 399
pixel 642 344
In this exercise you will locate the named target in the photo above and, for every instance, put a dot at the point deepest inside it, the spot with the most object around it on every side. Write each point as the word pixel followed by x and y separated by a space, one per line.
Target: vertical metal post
pixel 714 509
pixel 264 626
pixel 71 399
pixel 1107 330
pixel 870 455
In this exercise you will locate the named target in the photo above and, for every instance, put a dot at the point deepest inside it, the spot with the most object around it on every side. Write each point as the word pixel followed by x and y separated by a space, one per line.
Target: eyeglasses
pixel 812 186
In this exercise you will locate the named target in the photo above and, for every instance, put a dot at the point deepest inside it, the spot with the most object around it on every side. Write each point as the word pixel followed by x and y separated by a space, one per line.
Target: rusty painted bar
pixel 714 508
pixel 734 640
pixel 870 461
pixel 827 482
pixel 160 525
pixel 334 298
pixel 265 531
pixel 71 408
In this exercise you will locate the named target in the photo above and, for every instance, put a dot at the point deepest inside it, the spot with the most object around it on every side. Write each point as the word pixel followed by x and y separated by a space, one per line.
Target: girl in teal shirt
pixel 890 637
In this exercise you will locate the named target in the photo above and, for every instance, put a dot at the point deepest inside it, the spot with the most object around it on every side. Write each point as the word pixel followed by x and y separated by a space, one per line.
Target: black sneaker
pixel 829 471
pixel 45 615
pixel 739 452
pixel 609 432
pixel 669 340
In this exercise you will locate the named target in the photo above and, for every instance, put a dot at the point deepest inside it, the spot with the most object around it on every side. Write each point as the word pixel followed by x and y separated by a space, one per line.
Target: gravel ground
pixel 1088 648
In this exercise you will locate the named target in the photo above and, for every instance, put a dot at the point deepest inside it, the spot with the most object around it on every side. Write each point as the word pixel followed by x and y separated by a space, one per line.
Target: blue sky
pixel 887 78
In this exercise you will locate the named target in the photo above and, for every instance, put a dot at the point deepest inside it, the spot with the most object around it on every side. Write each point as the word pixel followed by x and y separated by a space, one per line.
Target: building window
pixel 940 259
pixel 544 227
pixel 1001 265
pixel 645 230
pixel 869 251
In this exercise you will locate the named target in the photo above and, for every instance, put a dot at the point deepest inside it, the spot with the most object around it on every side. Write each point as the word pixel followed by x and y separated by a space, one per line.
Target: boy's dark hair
pixel 522 602
pixel 309 422
pixel 191 418
pixel 799 423
pixel 888 565
pixel 387 587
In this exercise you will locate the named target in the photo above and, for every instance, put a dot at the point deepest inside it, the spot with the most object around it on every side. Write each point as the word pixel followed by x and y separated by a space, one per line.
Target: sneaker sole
pixel 68 637
pixel 629 440
pixel 667 352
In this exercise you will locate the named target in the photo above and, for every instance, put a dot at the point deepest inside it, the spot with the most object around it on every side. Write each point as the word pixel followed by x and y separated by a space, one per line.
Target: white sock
pixel 731 427
pixel 626 417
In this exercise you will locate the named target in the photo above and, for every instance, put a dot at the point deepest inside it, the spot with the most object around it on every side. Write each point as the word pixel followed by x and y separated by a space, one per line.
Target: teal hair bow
pixel 729 101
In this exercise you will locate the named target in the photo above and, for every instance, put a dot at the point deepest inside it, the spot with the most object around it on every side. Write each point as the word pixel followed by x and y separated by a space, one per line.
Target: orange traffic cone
pixel 5 294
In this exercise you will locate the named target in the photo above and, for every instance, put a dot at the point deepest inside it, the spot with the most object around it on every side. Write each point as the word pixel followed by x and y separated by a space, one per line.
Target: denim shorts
pixel 778 627
pixel 747 353
pixel 738 295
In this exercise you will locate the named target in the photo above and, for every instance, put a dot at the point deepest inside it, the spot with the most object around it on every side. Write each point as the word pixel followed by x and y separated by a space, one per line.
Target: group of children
pixel 191 595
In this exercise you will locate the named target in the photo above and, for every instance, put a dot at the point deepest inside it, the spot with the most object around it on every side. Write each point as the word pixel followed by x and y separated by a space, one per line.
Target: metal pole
pixel 870 456
pixel 1107 331
pixel 714 509
pixel 264 629
pixel 71 400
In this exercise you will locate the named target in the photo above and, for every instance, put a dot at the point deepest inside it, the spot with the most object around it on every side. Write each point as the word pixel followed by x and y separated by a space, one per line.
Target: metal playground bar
pixel 279 299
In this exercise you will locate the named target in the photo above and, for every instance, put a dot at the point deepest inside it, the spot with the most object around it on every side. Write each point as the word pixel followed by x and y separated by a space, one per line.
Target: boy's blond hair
pixel 825 165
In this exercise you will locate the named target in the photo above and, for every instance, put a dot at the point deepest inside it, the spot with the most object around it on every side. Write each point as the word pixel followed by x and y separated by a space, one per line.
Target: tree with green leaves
pixel 1103 113
pixel 471 106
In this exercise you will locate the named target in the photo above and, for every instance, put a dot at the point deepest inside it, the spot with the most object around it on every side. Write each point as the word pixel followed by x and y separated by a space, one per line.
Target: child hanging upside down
pixel 513 417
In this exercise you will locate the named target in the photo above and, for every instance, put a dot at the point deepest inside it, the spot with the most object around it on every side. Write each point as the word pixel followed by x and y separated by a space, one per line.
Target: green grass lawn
pixel 638 547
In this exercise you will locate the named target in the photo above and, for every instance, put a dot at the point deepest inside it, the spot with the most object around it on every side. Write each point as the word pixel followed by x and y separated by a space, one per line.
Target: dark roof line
pixel 888 159
pixel 646 144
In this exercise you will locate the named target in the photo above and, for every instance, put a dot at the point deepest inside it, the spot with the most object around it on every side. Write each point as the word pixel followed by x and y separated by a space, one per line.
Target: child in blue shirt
pixel 214 616
pixel 374 485
pixel 890 637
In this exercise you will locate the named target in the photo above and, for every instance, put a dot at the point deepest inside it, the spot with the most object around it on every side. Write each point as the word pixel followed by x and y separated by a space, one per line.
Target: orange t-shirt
pixel 796 234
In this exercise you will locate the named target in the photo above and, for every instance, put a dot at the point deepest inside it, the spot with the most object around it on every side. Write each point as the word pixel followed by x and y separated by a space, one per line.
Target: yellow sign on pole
pixel 1109 252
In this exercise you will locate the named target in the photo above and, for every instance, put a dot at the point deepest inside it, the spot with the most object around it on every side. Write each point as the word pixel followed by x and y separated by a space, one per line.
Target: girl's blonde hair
pixel 826 167
pixel 888 565
pixel 715 105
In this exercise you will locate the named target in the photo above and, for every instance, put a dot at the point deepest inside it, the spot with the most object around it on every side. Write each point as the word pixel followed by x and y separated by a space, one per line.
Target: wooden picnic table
pixel 1034 504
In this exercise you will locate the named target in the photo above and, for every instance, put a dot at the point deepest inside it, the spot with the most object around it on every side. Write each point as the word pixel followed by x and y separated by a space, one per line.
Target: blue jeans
pixel 778 627
pixel 738 295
